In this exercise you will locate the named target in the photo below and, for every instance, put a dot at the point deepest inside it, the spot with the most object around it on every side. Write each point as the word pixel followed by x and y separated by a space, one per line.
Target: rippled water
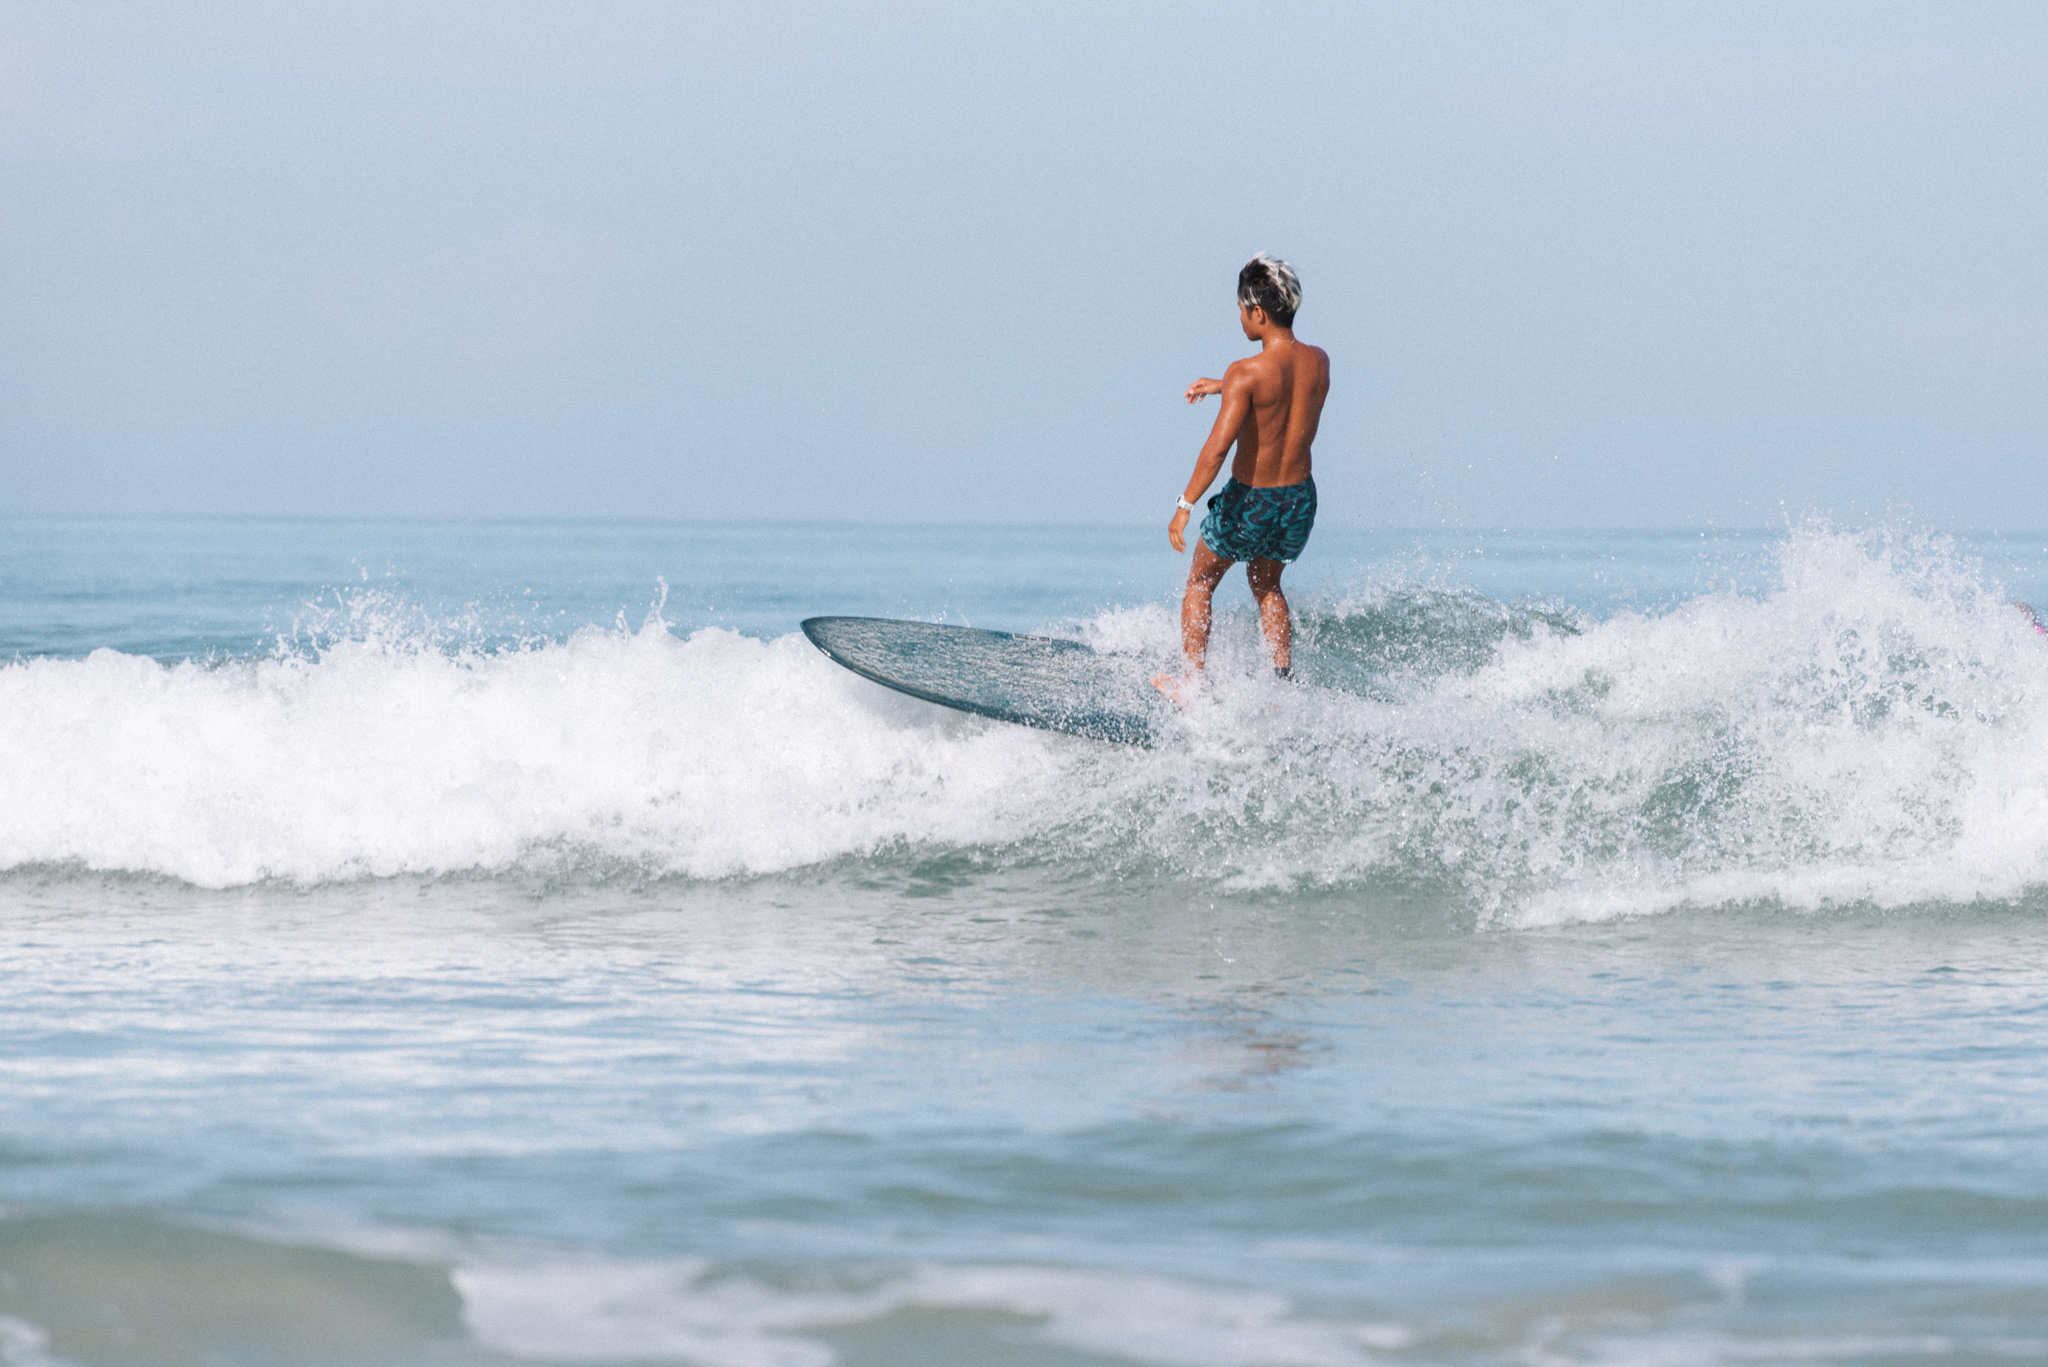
pixel 427 943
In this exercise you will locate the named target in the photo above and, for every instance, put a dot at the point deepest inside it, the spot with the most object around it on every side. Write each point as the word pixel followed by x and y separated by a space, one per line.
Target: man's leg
pixel 1273 619
pixel 1204 575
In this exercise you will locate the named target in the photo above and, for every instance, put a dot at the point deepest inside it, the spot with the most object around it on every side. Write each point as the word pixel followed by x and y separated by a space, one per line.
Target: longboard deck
pixel 1031 680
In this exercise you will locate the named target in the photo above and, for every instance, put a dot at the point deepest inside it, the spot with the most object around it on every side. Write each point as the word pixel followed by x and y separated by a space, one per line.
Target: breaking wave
pixel 1872 729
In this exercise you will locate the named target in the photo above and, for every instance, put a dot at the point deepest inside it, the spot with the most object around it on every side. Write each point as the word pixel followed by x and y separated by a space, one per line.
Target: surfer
pixel 1272 403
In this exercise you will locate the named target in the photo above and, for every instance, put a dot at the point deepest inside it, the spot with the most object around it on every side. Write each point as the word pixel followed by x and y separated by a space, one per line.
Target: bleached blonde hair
pixel 1269 283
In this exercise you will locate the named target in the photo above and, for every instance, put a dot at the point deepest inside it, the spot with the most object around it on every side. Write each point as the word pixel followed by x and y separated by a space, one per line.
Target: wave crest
pixel 1871 729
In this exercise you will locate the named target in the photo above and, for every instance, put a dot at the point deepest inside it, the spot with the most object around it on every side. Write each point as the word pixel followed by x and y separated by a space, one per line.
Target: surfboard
pixel 1031 680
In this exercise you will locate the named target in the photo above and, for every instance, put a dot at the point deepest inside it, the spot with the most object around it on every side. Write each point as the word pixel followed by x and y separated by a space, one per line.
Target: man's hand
pixel 1175 531
pixel 1202 389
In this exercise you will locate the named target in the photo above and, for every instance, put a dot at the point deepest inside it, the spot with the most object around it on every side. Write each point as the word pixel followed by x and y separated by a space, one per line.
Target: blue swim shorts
pixel 1260 524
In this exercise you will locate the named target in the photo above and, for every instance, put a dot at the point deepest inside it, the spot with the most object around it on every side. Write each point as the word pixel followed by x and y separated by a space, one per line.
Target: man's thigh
pixel 1208 567
pixel 1264 574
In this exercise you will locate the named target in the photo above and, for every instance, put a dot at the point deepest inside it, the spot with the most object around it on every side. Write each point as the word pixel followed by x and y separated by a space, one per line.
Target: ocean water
pixel 464 943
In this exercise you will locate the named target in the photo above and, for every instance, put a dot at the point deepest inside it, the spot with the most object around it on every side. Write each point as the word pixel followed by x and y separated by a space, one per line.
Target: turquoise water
pixel 466 943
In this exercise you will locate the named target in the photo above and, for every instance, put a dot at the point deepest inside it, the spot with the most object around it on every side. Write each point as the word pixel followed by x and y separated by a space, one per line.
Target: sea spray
pixel 703 758
pixel 1869 729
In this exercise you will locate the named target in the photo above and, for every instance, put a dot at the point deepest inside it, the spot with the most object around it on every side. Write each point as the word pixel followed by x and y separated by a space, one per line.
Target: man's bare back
pixel 1272 405
pixel 1284 387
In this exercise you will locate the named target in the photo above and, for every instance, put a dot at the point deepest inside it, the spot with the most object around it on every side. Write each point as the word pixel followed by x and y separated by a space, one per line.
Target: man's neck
pixel 1274 335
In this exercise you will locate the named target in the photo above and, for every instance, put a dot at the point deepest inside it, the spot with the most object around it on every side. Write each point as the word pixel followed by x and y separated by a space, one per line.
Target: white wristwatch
pixel 1181 505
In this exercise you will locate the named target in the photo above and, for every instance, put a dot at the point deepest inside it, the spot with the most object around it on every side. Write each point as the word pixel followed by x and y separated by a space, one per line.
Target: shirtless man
pixel 1271 405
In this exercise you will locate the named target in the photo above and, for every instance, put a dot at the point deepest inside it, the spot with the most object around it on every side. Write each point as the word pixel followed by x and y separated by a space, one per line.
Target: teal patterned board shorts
pixel 1260 524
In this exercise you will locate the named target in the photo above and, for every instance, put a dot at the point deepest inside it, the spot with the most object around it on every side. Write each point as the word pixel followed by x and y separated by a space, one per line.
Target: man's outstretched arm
pixel 1236 389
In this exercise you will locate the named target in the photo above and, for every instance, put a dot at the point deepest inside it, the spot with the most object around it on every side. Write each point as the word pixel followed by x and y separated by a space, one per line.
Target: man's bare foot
pixel 1182 688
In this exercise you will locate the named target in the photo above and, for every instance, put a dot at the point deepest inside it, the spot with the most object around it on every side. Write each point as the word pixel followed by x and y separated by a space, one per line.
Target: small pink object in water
pixel 2032 616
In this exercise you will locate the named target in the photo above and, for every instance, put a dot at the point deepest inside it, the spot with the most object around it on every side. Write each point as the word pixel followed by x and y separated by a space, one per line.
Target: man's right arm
pixel 1236 389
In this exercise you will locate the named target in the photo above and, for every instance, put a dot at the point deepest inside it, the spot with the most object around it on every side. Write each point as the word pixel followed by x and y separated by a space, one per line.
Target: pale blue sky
pixel 1577 264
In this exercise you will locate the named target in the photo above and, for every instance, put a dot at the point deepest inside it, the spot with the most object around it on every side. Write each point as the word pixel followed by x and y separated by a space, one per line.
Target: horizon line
pixel 628 520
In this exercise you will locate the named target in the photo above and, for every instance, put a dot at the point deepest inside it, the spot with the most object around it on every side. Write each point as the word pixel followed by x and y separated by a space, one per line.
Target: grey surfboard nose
pixel 1037 681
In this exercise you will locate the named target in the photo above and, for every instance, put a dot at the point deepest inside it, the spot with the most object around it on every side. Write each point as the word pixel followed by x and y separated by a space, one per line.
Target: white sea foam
pixel 605 1311
pixel 706 757
pixel 1873 729
pixel 600 1310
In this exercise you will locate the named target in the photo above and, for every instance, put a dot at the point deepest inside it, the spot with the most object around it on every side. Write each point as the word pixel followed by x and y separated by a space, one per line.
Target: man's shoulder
pixel 1243 370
